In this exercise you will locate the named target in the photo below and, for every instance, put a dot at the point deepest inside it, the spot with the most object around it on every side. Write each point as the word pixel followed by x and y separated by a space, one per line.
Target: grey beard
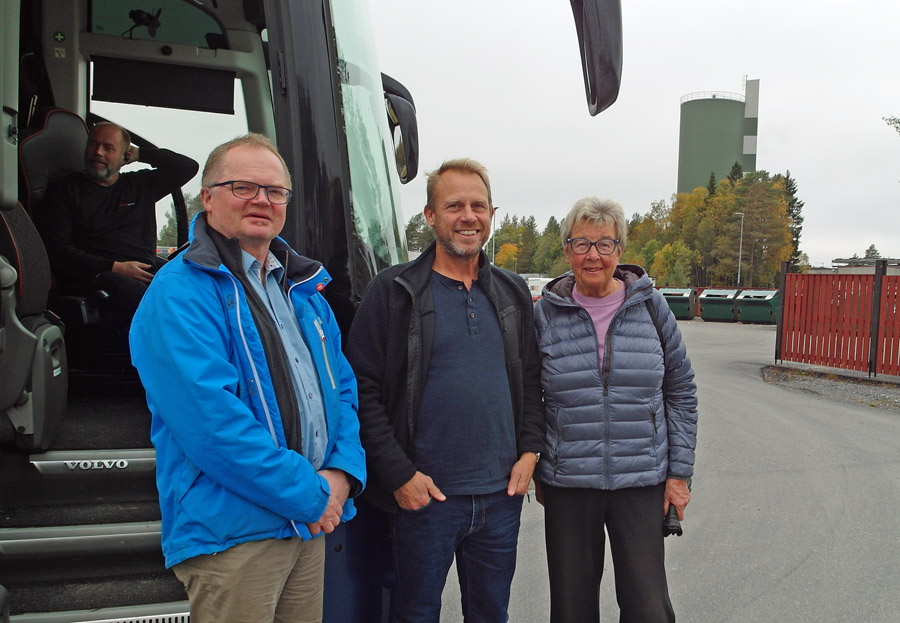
pixel 101 175
pixel 454 250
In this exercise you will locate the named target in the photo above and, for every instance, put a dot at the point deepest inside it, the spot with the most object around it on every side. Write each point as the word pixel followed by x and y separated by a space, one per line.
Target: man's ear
pixel 205 198
pixel 429 215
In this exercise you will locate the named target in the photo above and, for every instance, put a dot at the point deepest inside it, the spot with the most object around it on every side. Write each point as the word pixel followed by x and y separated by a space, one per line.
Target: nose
pixel 261 198
pixel 468 213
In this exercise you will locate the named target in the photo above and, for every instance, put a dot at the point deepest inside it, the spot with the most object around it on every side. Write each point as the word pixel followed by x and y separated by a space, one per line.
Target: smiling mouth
pixel 467 232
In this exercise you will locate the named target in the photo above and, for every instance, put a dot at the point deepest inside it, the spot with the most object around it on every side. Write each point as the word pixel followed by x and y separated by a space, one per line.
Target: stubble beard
pixel 456 251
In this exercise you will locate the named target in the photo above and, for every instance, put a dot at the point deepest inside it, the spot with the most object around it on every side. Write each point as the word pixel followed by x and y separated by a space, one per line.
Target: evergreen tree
pixel 549 249
pixel 872 253
pixel 736 173
pixel 168 234
pixel 795 213
pixel 419 233
pixel 711 184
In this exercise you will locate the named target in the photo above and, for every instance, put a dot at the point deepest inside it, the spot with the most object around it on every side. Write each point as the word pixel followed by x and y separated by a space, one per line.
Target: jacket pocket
pixel 657 413
pixel 188 476
pixel 510 322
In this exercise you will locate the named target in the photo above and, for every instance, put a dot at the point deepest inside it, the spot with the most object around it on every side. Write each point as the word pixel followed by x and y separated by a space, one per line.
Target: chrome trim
pixel 55 541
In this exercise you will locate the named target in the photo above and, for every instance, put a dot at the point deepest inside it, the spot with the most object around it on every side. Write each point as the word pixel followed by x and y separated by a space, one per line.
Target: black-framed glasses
pixel 249 190
pixel 582 246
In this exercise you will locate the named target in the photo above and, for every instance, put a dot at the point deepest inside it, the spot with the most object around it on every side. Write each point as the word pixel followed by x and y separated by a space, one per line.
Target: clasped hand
pixel 340 491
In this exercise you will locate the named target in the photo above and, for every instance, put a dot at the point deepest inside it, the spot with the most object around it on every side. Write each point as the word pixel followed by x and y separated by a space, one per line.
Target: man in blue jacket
pixel 254 405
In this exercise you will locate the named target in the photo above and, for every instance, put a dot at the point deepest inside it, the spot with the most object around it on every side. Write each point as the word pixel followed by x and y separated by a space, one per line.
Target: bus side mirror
pixel 599 27
pixel 401 114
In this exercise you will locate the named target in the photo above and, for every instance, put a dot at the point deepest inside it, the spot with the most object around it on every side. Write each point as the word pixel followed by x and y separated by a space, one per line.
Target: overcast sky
pixel 500 81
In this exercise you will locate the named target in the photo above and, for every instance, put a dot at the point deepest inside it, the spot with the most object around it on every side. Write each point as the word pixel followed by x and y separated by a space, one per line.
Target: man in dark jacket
pixel 450 404
pixel 99 226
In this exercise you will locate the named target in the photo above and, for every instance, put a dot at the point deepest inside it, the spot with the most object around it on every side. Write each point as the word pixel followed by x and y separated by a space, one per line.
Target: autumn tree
pixel 506 256
pixel 648 253
pixel 766 240
pixel 507 232
pixel 528 240
pixel 673 264
pixel 642 229
pixel 717 225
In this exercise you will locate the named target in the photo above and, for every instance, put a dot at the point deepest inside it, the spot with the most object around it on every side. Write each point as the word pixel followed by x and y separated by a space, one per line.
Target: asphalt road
pixel 796 508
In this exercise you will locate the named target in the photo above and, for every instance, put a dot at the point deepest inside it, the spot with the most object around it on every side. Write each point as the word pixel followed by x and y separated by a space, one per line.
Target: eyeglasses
pixel 582 246
pixel 249 190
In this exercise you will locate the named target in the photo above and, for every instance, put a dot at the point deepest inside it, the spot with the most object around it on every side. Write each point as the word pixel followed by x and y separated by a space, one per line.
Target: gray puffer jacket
pixel 608 426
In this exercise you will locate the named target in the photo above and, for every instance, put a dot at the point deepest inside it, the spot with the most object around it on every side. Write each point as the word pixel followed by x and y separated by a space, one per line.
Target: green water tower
pixel 717 130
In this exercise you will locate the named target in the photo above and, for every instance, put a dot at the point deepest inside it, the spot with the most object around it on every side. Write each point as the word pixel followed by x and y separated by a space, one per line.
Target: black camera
pixel 671 525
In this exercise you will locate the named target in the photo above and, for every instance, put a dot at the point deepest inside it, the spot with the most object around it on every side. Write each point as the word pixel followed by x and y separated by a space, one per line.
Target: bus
pixel 79 519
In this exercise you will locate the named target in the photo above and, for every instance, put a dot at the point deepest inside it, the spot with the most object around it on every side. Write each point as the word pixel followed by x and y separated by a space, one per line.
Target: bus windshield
pixel 375 200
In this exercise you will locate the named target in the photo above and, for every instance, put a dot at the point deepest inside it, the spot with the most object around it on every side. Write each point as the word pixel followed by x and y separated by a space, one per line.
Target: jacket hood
pixel 561 288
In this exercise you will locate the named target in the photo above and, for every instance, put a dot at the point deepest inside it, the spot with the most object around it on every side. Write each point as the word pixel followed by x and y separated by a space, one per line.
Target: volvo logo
pixel 95 464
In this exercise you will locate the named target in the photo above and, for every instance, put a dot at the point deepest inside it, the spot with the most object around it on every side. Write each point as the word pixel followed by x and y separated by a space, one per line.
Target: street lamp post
pixel 740 247
pixel 493 236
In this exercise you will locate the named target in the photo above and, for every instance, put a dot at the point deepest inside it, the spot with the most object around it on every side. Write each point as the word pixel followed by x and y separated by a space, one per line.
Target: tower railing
pixel 713 95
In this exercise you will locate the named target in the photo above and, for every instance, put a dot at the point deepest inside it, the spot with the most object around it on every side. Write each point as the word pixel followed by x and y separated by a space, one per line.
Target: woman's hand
pixel 677 494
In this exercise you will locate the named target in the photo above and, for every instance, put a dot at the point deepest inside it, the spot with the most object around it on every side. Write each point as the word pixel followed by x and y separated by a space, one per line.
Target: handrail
pixel 712 95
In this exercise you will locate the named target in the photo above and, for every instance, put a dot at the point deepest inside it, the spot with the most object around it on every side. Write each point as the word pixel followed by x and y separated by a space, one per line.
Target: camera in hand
pixel 671 525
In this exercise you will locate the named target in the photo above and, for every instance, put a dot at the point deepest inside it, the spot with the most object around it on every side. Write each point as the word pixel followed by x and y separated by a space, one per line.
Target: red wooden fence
pixel 841 321
pixel 887 360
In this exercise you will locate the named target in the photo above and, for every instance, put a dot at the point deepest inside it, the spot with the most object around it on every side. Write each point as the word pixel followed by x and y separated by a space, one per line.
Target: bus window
pixel 187 132
pixel 168 21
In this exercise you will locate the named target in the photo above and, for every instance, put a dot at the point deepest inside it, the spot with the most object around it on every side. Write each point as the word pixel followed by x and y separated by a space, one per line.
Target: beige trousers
pixel 278 580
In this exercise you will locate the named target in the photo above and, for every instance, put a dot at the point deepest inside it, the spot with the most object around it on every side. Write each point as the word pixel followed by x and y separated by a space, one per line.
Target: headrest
pixel 55 150
pixel 21 245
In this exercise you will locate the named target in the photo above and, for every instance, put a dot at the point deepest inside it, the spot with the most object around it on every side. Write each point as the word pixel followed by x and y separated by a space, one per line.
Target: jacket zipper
pixel 262 401
pixel 240 324
pixel 325 352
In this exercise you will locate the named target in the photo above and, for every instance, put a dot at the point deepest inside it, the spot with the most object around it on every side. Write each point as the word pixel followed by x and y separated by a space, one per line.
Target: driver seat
pixel 33 360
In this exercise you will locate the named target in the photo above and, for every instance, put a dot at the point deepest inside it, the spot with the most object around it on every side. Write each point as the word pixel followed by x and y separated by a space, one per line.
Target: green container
pixel 682 301
pixel 758 306
pixel 718 305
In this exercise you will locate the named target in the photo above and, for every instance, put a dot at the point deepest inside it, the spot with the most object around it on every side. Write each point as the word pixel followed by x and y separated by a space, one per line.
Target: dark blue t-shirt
pixel 465 434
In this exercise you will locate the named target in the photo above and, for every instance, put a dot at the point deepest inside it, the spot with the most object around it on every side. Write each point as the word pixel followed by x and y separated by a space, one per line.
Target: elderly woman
pixel 621 413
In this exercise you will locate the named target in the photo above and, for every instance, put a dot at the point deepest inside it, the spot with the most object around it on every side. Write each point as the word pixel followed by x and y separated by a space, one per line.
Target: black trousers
pixel 125 295
pixel 574 532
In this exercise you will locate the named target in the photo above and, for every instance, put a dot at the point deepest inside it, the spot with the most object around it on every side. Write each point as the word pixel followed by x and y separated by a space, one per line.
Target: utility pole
pixel 740 248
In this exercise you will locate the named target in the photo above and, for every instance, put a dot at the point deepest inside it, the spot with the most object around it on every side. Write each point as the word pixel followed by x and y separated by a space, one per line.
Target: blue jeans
pixel 481 531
